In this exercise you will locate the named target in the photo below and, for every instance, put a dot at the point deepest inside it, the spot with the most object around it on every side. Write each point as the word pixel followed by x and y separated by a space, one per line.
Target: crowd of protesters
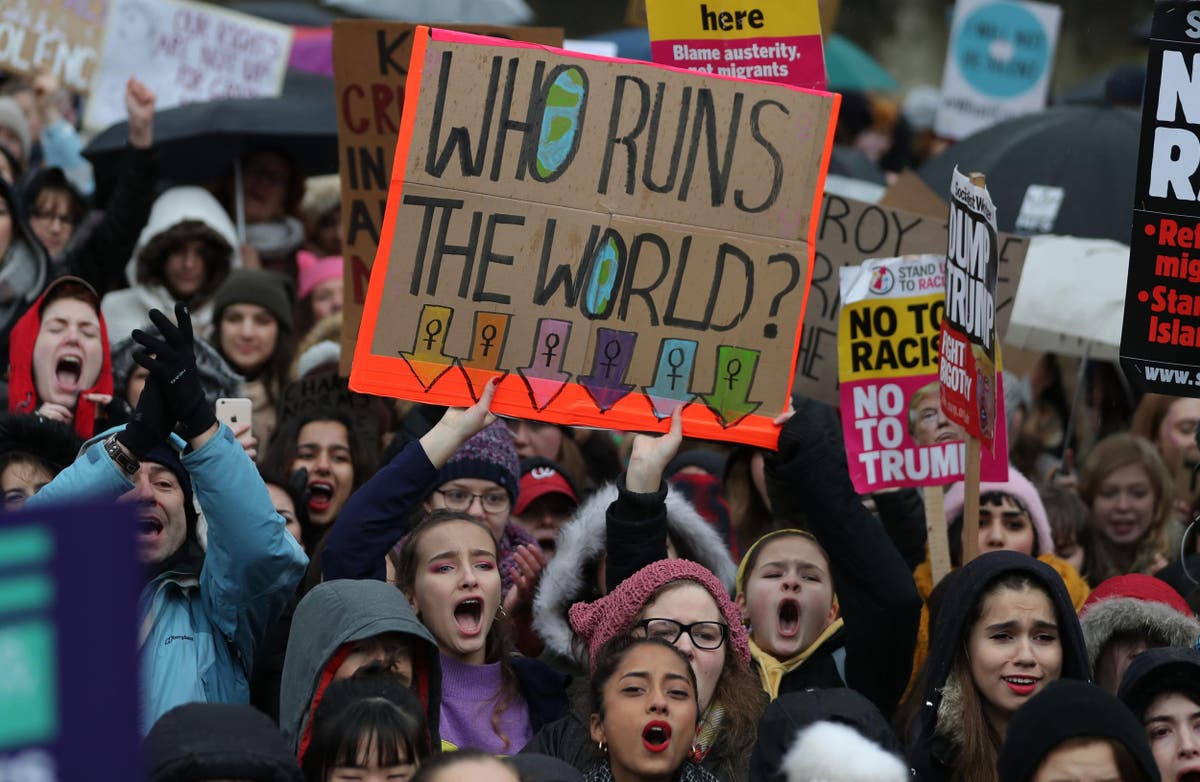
pixel 437 594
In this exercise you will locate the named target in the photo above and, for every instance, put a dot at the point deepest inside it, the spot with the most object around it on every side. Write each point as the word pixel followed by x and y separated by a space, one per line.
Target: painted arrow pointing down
pixel 614 354
pixel 544 376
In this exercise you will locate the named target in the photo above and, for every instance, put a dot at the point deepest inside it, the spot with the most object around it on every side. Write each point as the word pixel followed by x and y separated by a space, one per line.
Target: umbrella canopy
pixel 439 11
pixel 851 68
pixel 1071 295
pixel 1071 167
pixel 199 142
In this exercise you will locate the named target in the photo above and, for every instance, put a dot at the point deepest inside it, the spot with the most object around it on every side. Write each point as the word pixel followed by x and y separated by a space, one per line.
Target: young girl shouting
pixel 491 700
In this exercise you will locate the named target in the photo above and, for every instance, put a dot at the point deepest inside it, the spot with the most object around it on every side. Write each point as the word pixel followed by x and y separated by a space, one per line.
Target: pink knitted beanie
pixel 313 271
pixel 599 622
pixel 1017 486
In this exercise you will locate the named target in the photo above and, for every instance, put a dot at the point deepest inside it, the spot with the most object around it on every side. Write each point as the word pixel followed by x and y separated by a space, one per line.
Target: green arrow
pixel 734 375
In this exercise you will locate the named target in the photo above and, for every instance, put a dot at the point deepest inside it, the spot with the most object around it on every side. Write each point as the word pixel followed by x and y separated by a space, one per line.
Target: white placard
pixel 186 52
pixel 998 65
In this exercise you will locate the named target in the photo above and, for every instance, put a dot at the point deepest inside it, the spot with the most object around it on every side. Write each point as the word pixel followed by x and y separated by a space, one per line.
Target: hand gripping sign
pixel 888 338
pixel 615 240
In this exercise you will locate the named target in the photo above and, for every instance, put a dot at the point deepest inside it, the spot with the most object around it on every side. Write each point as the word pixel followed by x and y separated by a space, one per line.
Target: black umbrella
pixel 201 141
pixel 1090 152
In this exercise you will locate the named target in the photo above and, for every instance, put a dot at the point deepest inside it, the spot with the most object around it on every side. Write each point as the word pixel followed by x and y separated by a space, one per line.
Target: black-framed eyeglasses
pixel 704 635
pixel 460 499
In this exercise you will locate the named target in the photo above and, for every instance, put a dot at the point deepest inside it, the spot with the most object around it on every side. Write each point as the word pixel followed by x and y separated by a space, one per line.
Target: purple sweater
pixel 468 696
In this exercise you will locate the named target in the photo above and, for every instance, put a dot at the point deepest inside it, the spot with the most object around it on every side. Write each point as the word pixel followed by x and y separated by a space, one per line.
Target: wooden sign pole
pixel 935 533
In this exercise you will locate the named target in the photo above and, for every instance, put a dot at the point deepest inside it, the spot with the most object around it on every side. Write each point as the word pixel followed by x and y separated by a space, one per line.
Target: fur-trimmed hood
pixel 941 707
pixel 835 752
pixel 1162 624
pixel 580 543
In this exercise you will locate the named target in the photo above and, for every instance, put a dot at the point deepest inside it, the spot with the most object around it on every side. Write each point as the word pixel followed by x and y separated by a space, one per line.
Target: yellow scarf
pixel 771 671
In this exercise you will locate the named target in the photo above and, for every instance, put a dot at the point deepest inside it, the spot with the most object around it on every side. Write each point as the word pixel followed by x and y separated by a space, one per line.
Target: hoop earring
pixel 603 747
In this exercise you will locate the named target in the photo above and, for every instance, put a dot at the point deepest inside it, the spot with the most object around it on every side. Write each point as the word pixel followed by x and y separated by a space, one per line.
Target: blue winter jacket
pixel 198 635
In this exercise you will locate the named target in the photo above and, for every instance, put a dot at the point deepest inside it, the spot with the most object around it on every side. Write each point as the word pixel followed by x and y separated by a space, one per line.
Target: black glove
pixel 174 364
pixel 151 422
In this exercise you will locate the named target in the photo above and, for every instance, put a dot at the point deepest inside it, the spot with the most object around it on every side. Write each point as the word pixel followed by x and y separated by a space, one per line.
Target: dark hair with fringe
pixel 360 721
pixel 498 646
pixel 53 180
pixel 993 498
pixel 447 760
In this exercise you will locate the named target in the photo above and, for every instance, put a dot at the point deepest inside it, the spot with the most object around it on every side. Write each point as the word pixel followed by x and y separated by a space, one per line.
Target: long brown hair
pixel 1112 453
pixel 976 740
pixel 498 646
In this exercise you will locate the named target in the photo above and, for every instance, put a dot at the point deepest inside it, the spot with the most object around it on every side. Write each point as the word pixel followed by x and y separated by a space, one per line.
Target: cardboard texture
pixel 969 350
pixel 910 193
pixel 186 52
pixel 852 231
pixel 888 332
pixel 1160 348
pixel 56 34
pixel 621 239
pixel 327 391
pixel 772 40
pixel 370 69
pixel 998 65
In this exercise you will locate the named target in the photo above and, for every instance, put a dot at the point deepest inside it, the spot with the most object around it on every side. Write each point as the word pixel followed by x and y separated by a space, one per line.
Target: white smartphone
pixel 234 412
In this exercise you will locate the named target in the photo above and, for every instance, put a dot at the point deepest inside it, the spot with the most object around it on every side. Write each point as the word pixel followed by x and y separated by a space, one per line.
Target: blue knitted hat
pixel 489 455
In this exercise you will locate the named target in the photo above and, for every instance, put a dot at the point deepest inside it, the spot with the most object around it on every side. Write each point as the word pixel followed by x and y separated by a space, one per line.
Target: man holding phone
pixel 204 610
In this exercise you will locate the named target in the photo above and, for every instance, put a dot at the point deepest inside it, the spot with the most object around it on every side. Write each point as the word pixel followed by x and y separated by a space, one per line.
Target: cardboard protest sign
pixel 888 333
pixel 69 587
pixel 967 361
pixel 370 94
pixel 850 232
pixel 187 52
pixel 1160 346
pixel 60 35
pixel 998 65
pixel 616 239
pixel 772 40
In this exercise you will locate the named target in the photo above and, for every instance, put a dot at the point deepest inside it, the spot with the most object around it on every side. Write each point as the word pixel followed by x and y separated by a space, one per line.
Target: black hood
pixel 960 596
pixel 1155 671
pixel 791 712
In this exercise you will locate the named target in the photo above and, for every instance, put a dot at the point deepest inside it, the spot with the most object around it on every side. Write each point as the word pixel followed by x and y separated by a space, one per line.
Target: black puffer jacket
pixel 807 480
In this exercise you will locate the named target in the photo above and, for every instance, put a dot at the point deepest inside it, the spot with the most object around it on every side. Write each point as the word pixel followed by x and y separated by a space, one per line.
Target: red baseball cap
pixel 541 479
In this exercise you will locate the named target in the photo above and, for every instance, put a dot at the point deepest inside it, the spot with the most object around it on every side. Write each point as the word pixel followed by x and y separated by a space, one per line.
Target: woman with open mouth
pixel 59 362
pixel 491 699
pixel 1129 491
pixel 1005 629
pixel 645 708
pixel 681 603
pixel 322 450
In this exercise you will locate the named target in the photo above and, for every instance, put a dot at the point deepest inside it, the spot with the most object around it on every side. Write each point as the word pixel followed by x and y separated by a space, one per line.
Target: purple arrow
pixel 544 376
pixel 614 353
